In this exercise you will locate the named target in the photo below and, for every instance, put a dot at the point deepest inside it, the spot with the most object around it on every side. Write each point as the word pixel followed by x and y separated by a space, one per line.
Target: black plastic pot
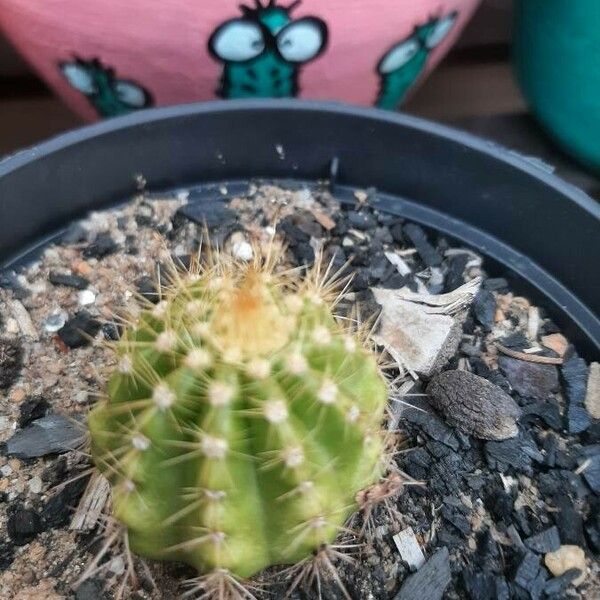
pixel 540 231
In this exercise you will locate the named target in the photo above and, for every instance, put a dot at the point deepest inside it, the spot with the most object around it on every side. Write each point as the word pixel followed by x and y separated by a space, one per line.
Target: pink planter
pixel 107 57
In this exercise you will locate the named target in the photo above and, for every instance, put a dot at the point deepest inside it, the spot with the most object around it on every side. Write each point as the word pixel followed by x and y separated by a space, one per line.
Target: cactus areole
pixel 241 421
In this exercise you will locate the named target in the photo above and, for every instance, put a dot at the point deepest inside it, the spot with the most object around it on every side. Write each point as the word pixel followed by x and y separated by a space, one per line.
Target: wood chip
pixel 533 323
pixel 409 548
pixel 398 262
pixel 556 342
pixel 91 504
pixel 542 360
pixel 21 316
pixel 446 304
pixel 323 219
pixel 592 396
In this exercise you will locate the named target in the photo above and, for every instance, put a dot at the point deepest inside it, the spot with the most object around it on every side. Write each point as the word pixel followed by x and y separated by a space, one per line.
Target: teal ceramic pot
pixel 557 62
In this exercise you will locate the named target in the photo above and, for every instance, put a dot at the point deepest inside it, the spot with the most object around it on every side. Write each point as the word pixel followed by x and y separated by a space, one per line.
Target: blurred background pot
pixel 108 57
pixel 557 62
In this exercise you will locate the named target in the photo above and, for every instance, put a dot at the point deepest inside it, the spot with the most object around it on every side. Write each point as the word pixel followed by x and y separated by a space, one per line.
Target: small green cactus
pixel 241 423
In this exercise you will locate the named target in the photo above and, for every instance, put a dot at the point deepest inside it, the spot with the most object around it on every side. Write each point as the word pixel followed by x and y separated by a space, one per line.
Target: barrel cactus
pixel 242 420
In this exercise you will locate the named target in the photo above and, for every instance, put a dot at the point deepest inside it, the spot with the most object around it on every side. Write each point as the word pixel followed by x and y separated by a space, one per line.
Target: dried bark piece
pixel 474 405
pixel 592 397
pixel 91 504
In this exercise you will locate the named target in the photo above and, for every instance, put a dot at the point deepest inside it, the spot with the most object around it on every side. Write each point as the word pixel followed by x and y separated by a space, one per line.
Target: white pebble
pixel 35 484
pixel 242 250
pixel 81 397
pixel 6 470
pixel 4 423
pixel 86 297
pixel 117 565
pixel 55 321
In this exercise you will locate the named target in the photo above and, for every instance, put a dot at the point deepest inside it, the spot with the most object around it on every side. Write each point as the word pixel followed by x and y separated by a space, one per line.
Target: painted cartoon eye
pixel 441 29
pixel 79 77
pixel 302 40
pixel 398 56
pixel 237 40
pixel 129 93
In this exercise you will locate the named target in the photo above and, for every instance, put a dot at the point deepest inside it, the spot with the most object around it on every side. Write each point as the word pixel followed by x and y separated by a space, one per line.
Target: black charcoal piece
pixel 531 380
pixel 548 411
pixel 7 554
pixel 23 525
pixel 304 253
pixel 361 220
pixel 574 374
pixel 89 590
pixel 530 575
pixel 210 212
pixel 455 517
pixel 431 425
pixel 397 232
pixel 72 281
pixel 568 520
pixel 102 246
pixel 10 280
pixel 495 283
pixel 58 509
pixel 559 584
pixel 147 288
pixel 578 418
pixel 474 405
pixel 592 528
pixel 484 308
pixel 516 340
pixel 516 453
pixel 478 584
pixel 11 361
pixel 32 408
pixel 544 541
pixel 111 331
pixel 591 474
pixel 455 274
pixel 430 581
pixel 51 434
pixel 429 255
pixel 79 330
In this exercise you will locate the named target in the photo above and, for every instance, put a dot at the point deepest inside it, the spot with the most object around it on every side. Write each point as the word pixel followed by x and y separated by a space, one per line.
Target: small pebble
pixel 86 297
pixel 117 565
pixel 55 321
pixel 35 484
pixel 565 558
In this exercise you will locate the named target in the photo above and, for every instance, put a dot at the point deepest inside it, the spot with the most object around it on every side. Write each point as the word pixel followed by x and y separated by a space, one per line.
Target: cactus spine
pixel 241 421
